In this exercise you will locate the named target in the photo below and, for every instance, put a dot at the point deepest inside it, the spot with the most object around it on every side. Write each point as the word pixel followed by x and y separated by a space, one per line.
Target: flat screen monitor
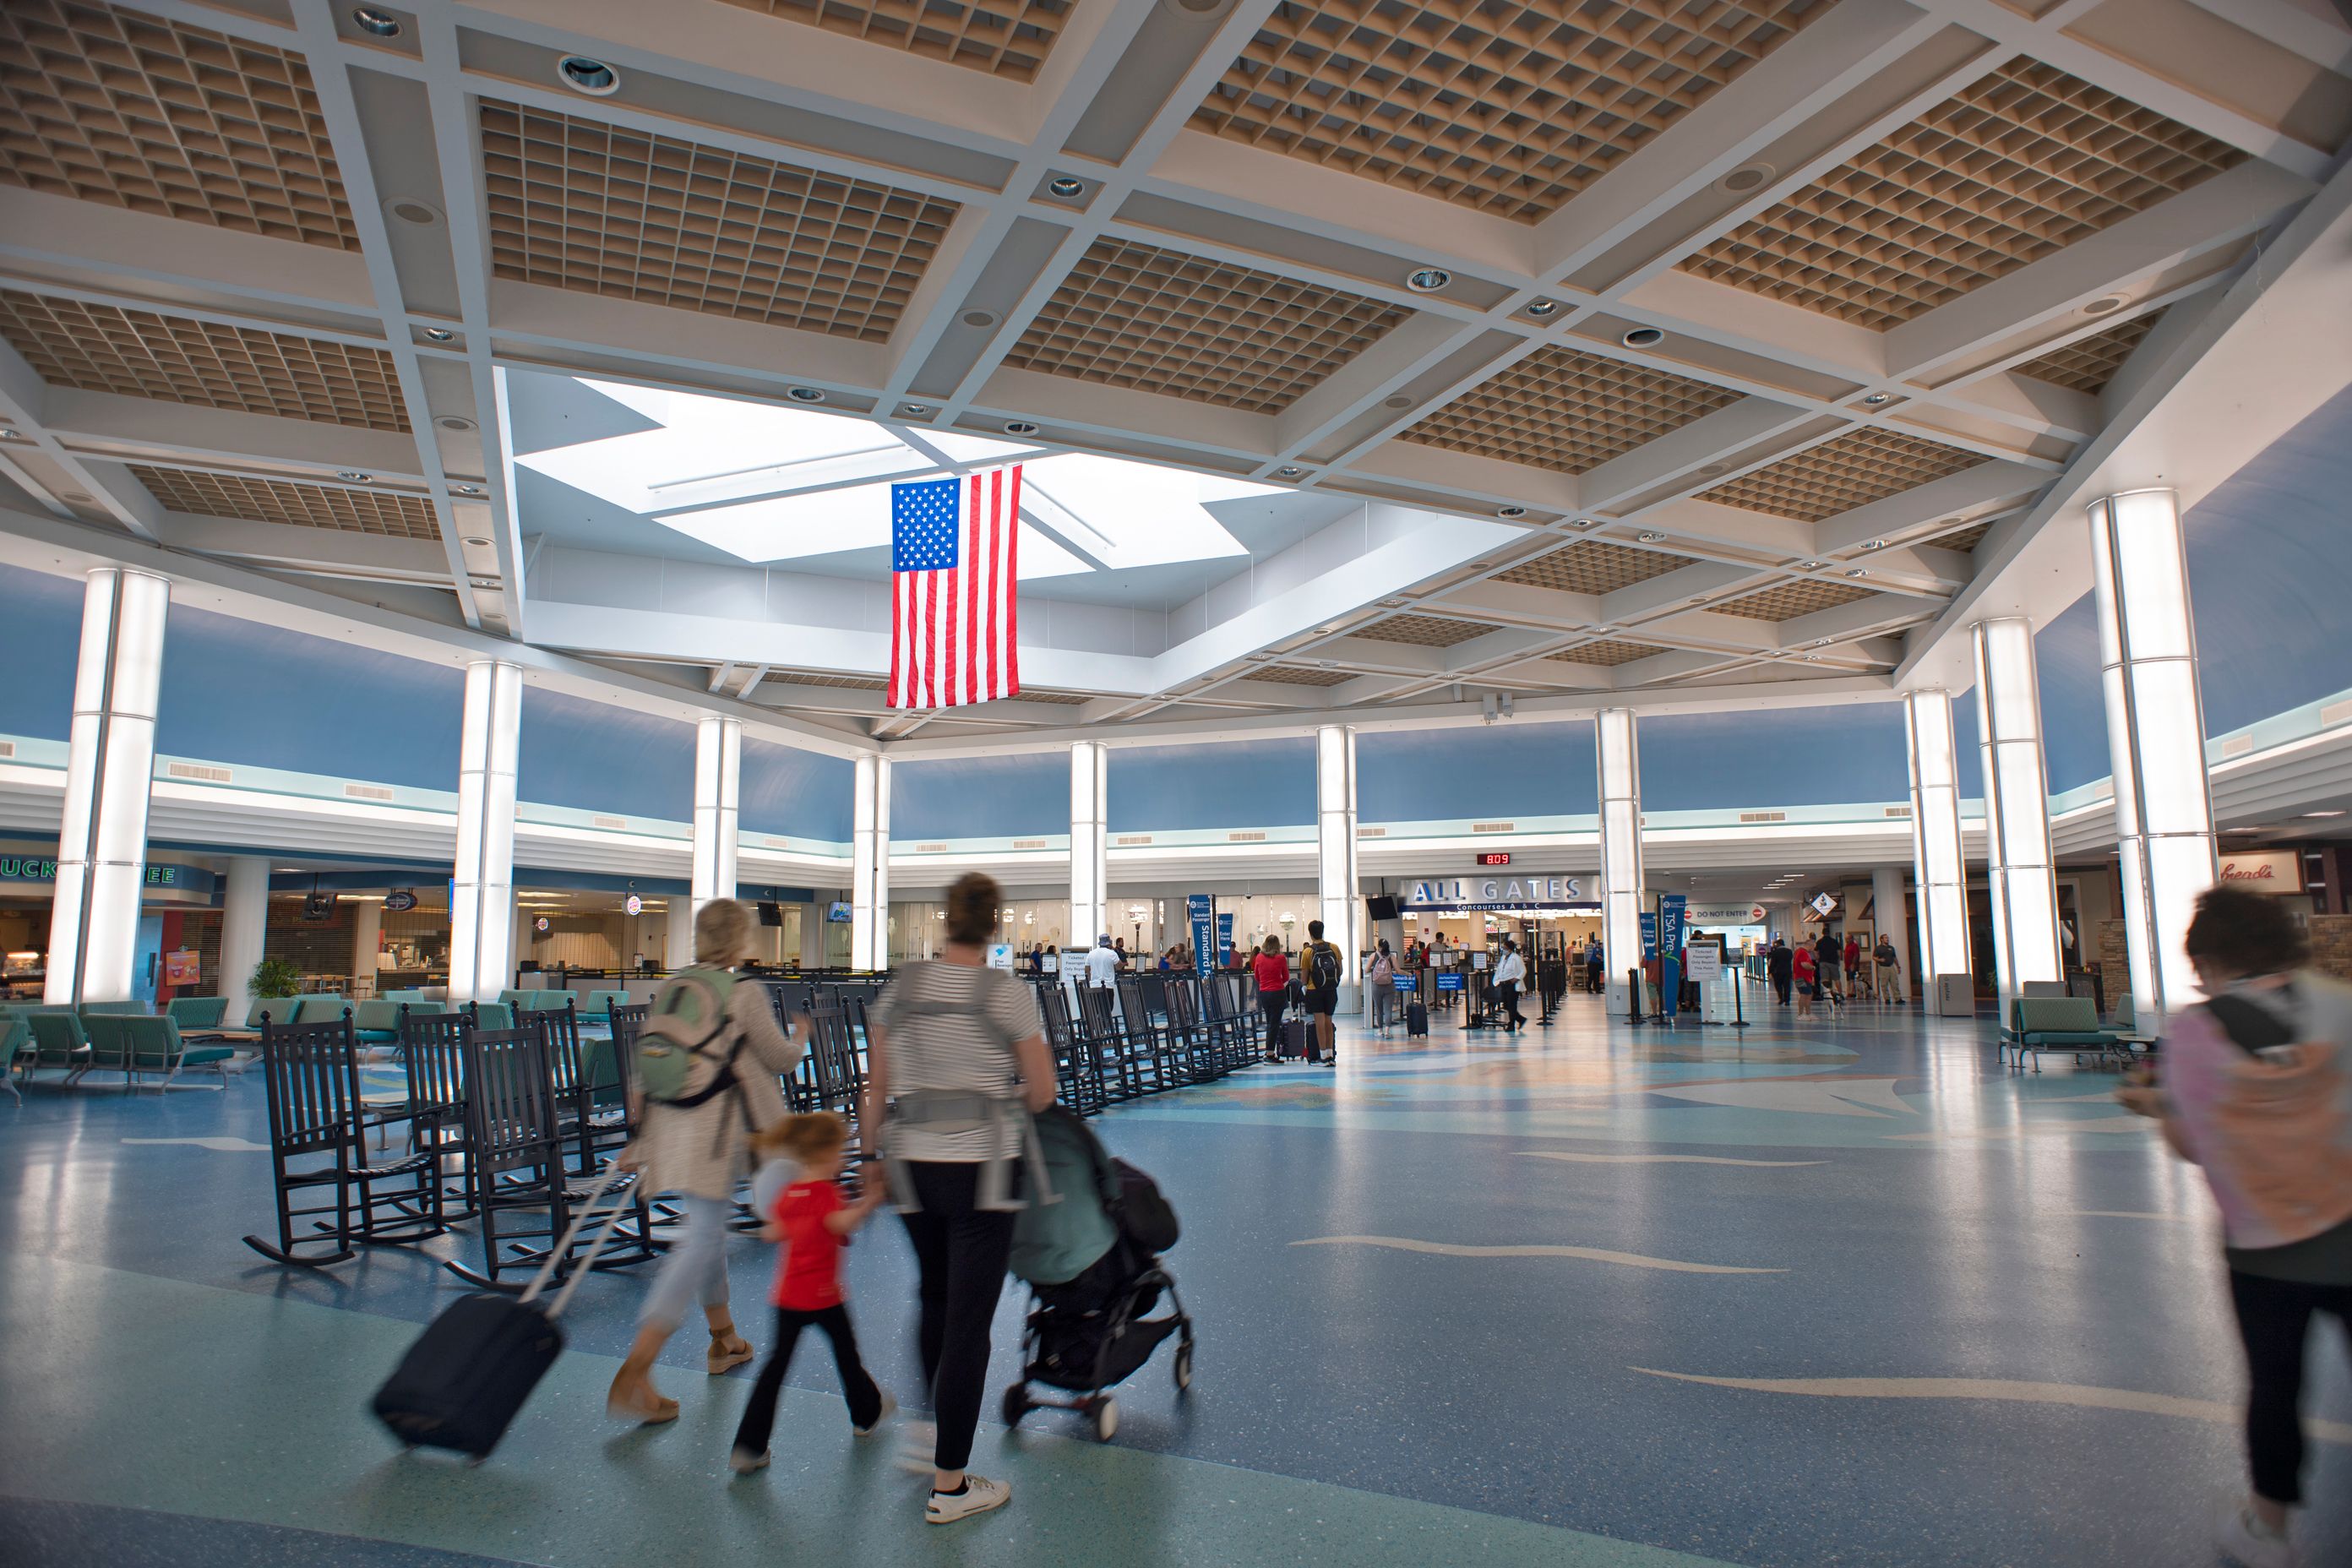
pixel 772 913
pixel 837 914
pixel 1382 909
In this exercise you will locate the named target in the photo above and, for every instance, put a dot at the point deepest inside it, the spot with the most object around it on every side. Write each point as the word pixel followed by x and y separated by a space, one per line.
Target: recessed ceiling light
pixel 1698 598
pixel 453 422
pixel 1327 664
pixel 1289 471
pixel 1400 401
pixel 467 490
pixel 914 410
pixel 1877 398
pixel 1583 523
pixel 353 476
pixel 1540 309
pixel 978 318
pixel 593 77
pixel 2102 307
pixel 439 335
pixel 486 582
pixel 1652 536
pixel 1747 177
pixel 380 23
pixel 11 435
pixel 478 544
pixel 1809 566
pixel 805 394
pixel 1712 469
pixel 1643 338
pixel 1427 280
pixel 408 209
pixel 1019 427
pixel 1856 572
pixel 1067 188
pixel 1510 511
pixel 1874 544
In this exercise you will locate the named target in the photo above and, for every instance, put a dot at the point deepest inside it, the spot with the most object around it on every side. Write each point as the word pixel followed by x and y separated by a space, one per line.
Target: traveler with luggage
pixel 812 1225
pixel 956 1057
pixel 1272 971
pixel 2256 1087
pixel 1510 973
pixel 1379 979
pixel 1779 963
pixel 707 1060
pixel 1320 966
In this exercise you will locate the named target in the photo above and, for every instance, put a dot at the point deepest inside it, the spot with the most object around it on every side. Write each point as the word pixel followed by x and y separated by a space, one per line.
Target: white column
pixel 481 901
pixel 1619 750
pixel 869 890
pixel 2155 738
pixel 245 932
pixel 718 774
pixel 677 934
pixel 1089 843
pixel 1892 916
pixel 367 940
pixel 1335 880
pixel 2017 808
pixel 109 764
pixel 1937 866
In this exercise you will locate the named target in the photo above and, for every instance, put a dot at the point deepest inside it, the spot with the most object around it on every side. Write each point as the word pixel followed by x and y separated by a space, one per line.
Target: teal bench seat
pixel 2063 1024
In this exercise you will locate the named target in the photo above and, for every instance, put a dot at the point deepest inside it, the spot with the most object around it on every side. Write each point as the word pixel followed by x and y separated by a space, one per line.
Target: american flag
pixel 955 614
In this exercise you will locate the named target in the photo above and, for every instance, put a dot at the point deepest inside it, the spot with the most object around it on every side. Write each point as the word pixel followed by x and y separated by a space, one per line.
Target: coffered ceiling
pixel 1583 350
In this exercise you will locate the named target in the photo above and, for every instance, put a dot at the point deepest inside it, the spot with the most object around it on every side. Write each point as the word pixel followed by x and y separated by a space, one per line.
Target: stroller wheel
pixel 1105 1414
pixel 1183 1367
pixel 1016 1404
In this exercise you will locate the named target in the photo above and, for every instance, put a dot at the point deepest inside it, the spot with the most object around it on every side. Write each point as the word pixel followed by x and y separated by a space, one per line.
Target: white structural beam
pixel 1089 842
pixel 109 763
pixel 1937 865
pixel 2025 892
pixel 1618 748
pixel 245 933
pixel 2155 738
pixel 1335 882
pixel 482 890
pixel 869 866
pixel 717 775
pixel 1891 917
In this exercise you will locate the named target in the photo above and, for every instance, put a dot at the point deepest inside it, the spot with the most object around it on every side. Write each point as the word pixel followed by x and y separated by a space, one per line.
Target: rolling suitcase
pixel 1294 1039
pixel 1416 1020
pixel 462 1383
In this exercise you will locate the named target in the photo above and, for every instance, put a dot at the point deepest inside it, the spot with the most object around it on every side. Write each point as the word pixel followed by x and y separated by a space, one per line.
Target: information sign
pixel 1449 980
pixel 1705 963
pixel 400 900
pixel 1202 911
pixel 1405 981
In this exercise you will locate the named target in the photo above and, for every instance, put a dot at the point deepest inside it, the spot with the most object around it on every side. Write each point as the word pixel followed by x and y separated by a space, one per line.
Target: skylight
pixel 767 483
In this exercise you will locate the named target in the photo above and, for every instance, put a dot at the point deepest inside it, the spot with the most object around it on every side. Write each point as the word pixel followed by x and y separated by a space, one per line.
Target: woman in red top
pixel 813 1224
pixel 1272 971
pixel 1808 972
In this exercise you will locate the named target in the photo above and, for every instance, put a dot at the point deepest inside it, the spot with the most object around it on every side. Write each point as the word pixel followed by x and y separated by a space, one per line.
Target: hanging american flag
pixel 955 575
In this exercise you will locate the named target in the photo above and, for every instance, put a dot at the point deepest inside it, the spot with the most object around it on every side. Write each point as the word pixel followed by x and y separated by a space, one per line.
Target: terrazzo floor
pixel 1848 1293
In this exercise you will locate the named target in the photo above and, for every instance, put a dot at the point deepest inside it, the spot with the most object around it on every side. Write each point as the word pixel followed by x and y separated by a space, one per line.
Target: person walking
pixel 1594 965
pixel 2256 1089
pixel 1320 966
pixel 696 1146
pixel 1851 959
pixel 1272 972
pixel 1805 965
pixel 1779 963
pixel 958 1047
pixel 1827 954
pixel 1379 979
pixel 1889 966
pixel 1510 973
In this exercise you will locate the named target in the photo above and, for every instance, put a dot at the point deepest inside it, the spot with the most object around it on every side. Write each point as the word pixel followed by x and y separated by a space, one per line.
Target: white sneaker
pixel 979 1495
pixel 889 1404
pixel 2247 1541
pixel 918 1441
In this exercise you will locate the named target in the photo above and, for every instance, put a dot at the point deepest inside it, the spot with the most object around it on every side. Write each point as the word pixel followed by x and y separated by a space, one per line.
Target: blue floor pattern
pixel 1836 1292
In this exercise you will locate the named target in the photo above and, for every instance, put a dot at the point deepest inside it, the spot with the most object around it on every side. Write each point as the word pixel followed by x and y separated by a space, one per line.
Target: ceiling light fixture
pixel 1856 572
pixel 1069 189
pixel 1712 469
pixel 914 410
pixel 1874 544
pixel 983 319
pixel 375 23
pixel 478 544
pixel 593 77
pixel 1583 523
pixel 1644 337
pixel 11 435
pixel 1877 399
pixel 1288 471
pixel 1809 566
pixel 1745 178
pixel 805 394
pixel 353 476
pixel 408 209
pixel 467 490
pixel 1427 280
pixel 2106 306
pixel 486 582
pixel 1540 309
pixel 1019 427
pixel 1510 511
pixel 1400 401
pixel 455 422
pixel 2322 814
pixel 1652 536
pixel 439 335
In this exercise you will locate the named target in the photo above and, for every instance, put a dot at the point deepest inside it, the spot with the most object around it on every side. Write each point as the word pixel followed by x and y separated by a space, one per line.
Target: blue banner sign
pixel 1225 935
pixel 1671 936
pixel 1649 935
pixel 1449 980
pixel 1203 909
pixel 1407 982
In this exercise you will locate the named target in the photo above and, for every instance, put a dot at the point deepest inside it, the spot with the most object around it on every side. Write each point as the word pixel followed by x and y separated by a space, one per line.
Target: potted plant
pixel 273 977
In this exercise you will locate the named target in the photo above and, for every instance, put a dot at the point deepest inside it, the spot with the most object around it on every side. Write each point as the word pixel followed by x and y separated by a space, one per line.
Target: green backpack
pixel 685 1050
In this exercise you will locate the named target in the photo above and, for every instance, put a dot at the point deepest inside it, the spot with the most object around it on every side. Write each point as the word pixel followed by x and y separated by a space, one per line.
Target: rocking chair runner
pixel 312 1074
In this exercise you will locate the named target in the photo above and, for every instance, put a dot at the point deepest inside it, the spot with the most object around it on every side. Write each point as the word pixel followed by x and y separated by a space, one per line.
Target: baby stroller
pixel 1091 1261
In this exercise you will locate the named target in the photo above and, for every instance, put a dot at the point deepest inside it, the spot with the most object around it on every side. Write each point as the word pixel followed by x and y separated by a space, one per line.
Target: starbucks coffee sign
pixel 1500 893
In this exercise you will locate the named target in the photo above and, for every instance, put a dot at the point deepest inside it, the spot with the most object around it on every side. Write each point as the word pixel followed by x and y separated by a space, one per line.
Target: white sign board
pixel 1823 904
pixel 1705 962
pixel 1000 955
pixel 2264 871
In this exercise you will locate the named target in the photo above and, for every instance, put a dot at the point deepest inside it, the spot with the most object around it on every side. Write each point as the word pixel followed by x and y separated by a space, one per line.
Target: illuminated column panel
pixel 2155 738
pixel 1335 880
pixel 2024 891
pixel 718 774
pixel 481 901
pixel 869 873
pixel 1619 750
pixel 1089 843
pixel 109 764
pixel 1936 867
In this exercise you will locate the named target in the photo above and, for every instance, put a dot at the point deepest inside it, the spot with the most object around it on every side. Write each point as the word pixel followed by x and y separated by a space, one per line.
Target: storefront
pixel 177 925
pixel 1546 913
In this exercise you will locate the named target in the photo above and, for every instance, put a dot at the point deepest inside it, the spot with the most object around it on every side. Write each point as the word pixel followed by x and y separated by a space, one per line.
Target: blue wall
pixel 1852 753
pixel 40 632
pixel 593 757
pixel 2074 707
pixel 1022 797
pixel 239 691
pixel 1509 770
pixel 1232 784
pixel 801 794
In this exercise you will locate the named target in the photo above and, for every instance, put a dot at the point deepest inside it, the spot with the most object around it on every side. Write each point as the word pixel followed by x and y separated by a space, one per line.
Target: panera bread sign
pixel 2264 871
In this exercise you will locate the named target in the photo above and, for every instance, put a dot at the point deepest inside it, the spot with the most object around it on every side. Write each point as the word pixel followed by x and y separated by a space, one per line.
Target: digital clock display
pixel 1494 857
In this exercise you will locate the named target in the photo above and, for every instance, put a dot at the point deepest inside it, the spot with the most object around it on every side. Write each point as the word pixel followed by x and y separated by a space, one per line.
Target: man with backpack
pixel 1319 968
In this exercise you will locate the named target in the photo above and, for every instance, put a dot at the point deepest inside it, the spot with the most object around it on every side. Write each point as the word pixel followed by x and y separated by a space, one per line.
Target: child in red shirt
pixel 813 1224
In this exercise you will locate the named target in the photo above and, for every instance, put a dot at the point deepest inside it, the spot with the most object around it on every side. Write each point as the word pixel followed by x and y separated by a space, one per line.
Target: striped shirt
pixel 952 1025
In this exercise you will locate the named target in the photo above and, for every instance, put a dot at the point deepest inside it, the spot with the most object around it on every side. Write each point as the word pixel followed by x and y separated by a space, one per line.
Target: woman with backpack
pixel 957 1058
pixel 706 1073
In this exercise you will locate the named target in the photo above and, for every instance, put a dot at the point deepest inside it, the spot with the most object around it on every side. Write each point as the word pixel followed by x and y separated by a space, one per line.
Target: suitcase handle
pixel 615 1182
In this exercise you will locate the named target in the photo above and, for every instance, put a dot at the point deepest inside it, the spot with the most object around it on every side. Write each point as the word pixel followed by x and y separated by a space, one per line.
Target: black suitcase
pixel 1294 1039
pixel 460 1385
pixel 1416 1019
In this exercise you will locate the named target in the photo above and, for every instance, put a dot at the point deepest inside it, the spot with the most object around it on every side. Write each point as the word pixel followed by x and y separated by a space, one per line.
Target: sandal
pixel 648 1409
pixel 719 1358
